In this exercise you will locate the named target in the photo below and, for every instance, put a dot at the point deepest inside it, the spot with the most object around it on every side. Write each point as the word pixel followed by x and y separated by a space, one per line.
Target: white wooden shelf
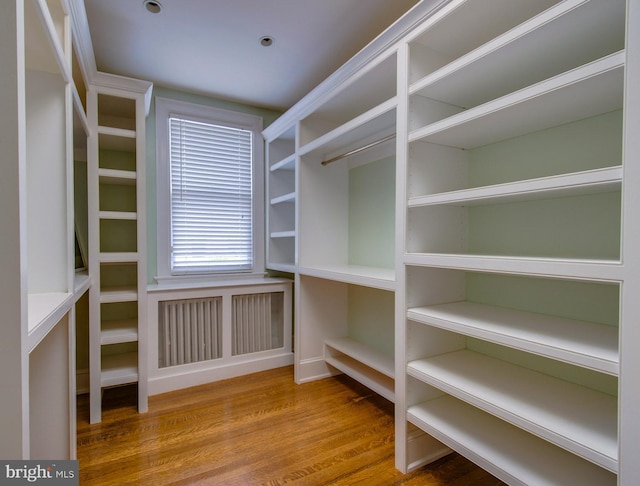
pixel 586 344
pixel 120 215
pixel 607 270
pixel 44 311
pixel 285 198
pixel 282 267
pixel 507 452
pixel 283 234
pixel 115 176
pixel 116 332
pixel 118 139
pixel 368 356
pixel 583 92
pixel 118 257
pixel 119 369
pixel 573 417
pixel 377 123
pixel 575 184
pixel 81 283
pixel 117 132
pixel 118 294
pixel 363 364
pixel 381 278
pixel 288 163
pixel 470 80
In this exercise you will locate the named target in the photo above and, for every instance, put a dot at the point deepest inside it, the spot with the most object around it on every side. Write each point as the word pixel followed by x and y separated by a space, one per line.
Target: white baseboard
pixel 181 378
pixel 313 369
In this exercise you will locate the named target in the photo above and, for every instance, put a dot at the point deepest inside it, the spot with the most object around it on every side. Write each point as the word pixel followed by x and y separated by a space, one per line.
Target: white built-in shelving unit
pixel 496 305
pixel 281 201
pixel 513 237
pixel 117 110
pixel 346 231
pixel 43 121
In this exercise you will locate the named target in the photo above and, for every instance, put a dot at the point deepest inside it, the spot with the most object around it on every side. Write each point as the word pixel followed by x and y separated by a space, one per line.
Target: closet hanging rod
pixel 358 150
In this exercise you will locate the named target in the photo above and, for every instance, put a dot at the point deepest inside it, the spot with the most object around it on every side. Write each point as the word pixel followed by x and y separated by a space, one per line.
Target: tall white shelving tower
pixel 117 109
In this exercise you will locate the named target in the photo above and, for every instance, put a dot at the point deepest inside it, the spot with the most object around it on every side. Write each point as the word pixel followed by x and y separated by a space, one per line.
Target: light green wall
pixel 372 214
pixel 586 144
pixel 587 301
pixel 372 242
pixel 581 227
pixel 268 117
pixel 574 374
pixel 371 318
pixel 571 299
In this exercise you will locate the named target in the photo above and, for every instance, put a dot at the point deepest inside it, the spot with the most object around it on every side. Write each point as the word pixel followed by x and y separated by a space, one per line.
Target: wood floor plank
pixel 260 429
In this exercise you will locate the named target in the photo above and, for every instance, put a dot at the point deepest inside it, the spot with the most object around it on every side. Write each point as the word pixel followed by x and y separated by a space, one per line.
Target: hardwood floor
pixel 260 429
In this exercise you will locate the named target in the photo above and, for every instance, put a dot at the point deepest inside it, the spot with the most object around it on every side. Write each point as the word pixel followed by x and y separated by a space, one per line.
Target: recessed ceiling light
pixel 152 6
pixel 266 41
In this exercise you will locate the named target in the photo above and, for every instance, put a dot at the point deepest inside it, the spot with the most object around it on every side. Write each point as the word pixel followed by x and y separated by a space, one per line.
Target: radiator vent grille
pixel 256 323
pixel 190 331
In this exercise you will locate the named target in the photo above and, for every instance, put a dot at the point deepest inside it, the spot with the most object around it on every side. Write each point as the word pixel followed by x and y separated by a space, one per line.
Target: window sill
pixel 191 282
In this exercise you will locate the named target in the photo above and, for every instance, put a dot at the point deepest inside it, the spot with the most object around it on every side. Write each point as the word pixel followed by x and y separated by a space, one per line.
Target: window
pixel 210 217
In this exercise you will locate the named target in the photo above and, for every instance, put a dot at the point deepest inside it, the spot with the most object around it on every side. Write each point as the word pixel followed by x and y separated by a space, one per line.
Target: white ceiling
pixel 212 47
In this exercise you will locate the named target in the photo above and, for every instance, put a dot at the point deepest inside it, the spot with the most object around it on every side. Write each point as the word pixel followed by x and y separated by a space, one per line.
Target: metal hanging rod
pixel 358 150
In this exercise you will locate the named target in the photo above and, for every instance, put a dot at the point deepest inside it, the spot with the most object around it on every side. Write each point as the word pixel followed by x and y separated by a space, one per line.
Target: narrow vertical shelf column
pixel 281 200
pixel 117 236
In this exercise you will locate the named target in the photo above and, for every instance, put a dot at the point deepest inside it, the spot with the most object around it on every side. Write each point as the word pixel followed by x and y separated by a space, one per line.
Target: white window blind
pixel 211 197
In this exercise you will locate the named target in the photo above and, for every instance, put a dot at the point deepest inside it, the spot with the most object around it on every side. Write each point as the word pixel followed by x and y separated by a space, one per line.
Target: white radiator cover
pixel 202 335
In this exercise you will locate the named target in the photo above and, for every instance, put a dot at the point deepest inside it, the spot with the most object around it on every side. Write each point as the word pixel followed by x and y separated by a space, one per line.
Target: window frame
pixel 166 108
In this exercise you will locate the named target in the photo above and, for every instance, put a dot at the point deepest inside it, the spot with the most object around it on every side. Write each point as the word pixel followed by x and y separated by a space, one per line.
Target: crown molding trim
pixel 87 61
pixel 384 42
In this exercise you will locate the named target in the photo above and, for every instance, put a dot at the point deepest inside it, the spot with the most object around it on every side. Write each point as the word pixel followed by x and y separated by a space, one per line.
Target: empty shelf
pixel 573 417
